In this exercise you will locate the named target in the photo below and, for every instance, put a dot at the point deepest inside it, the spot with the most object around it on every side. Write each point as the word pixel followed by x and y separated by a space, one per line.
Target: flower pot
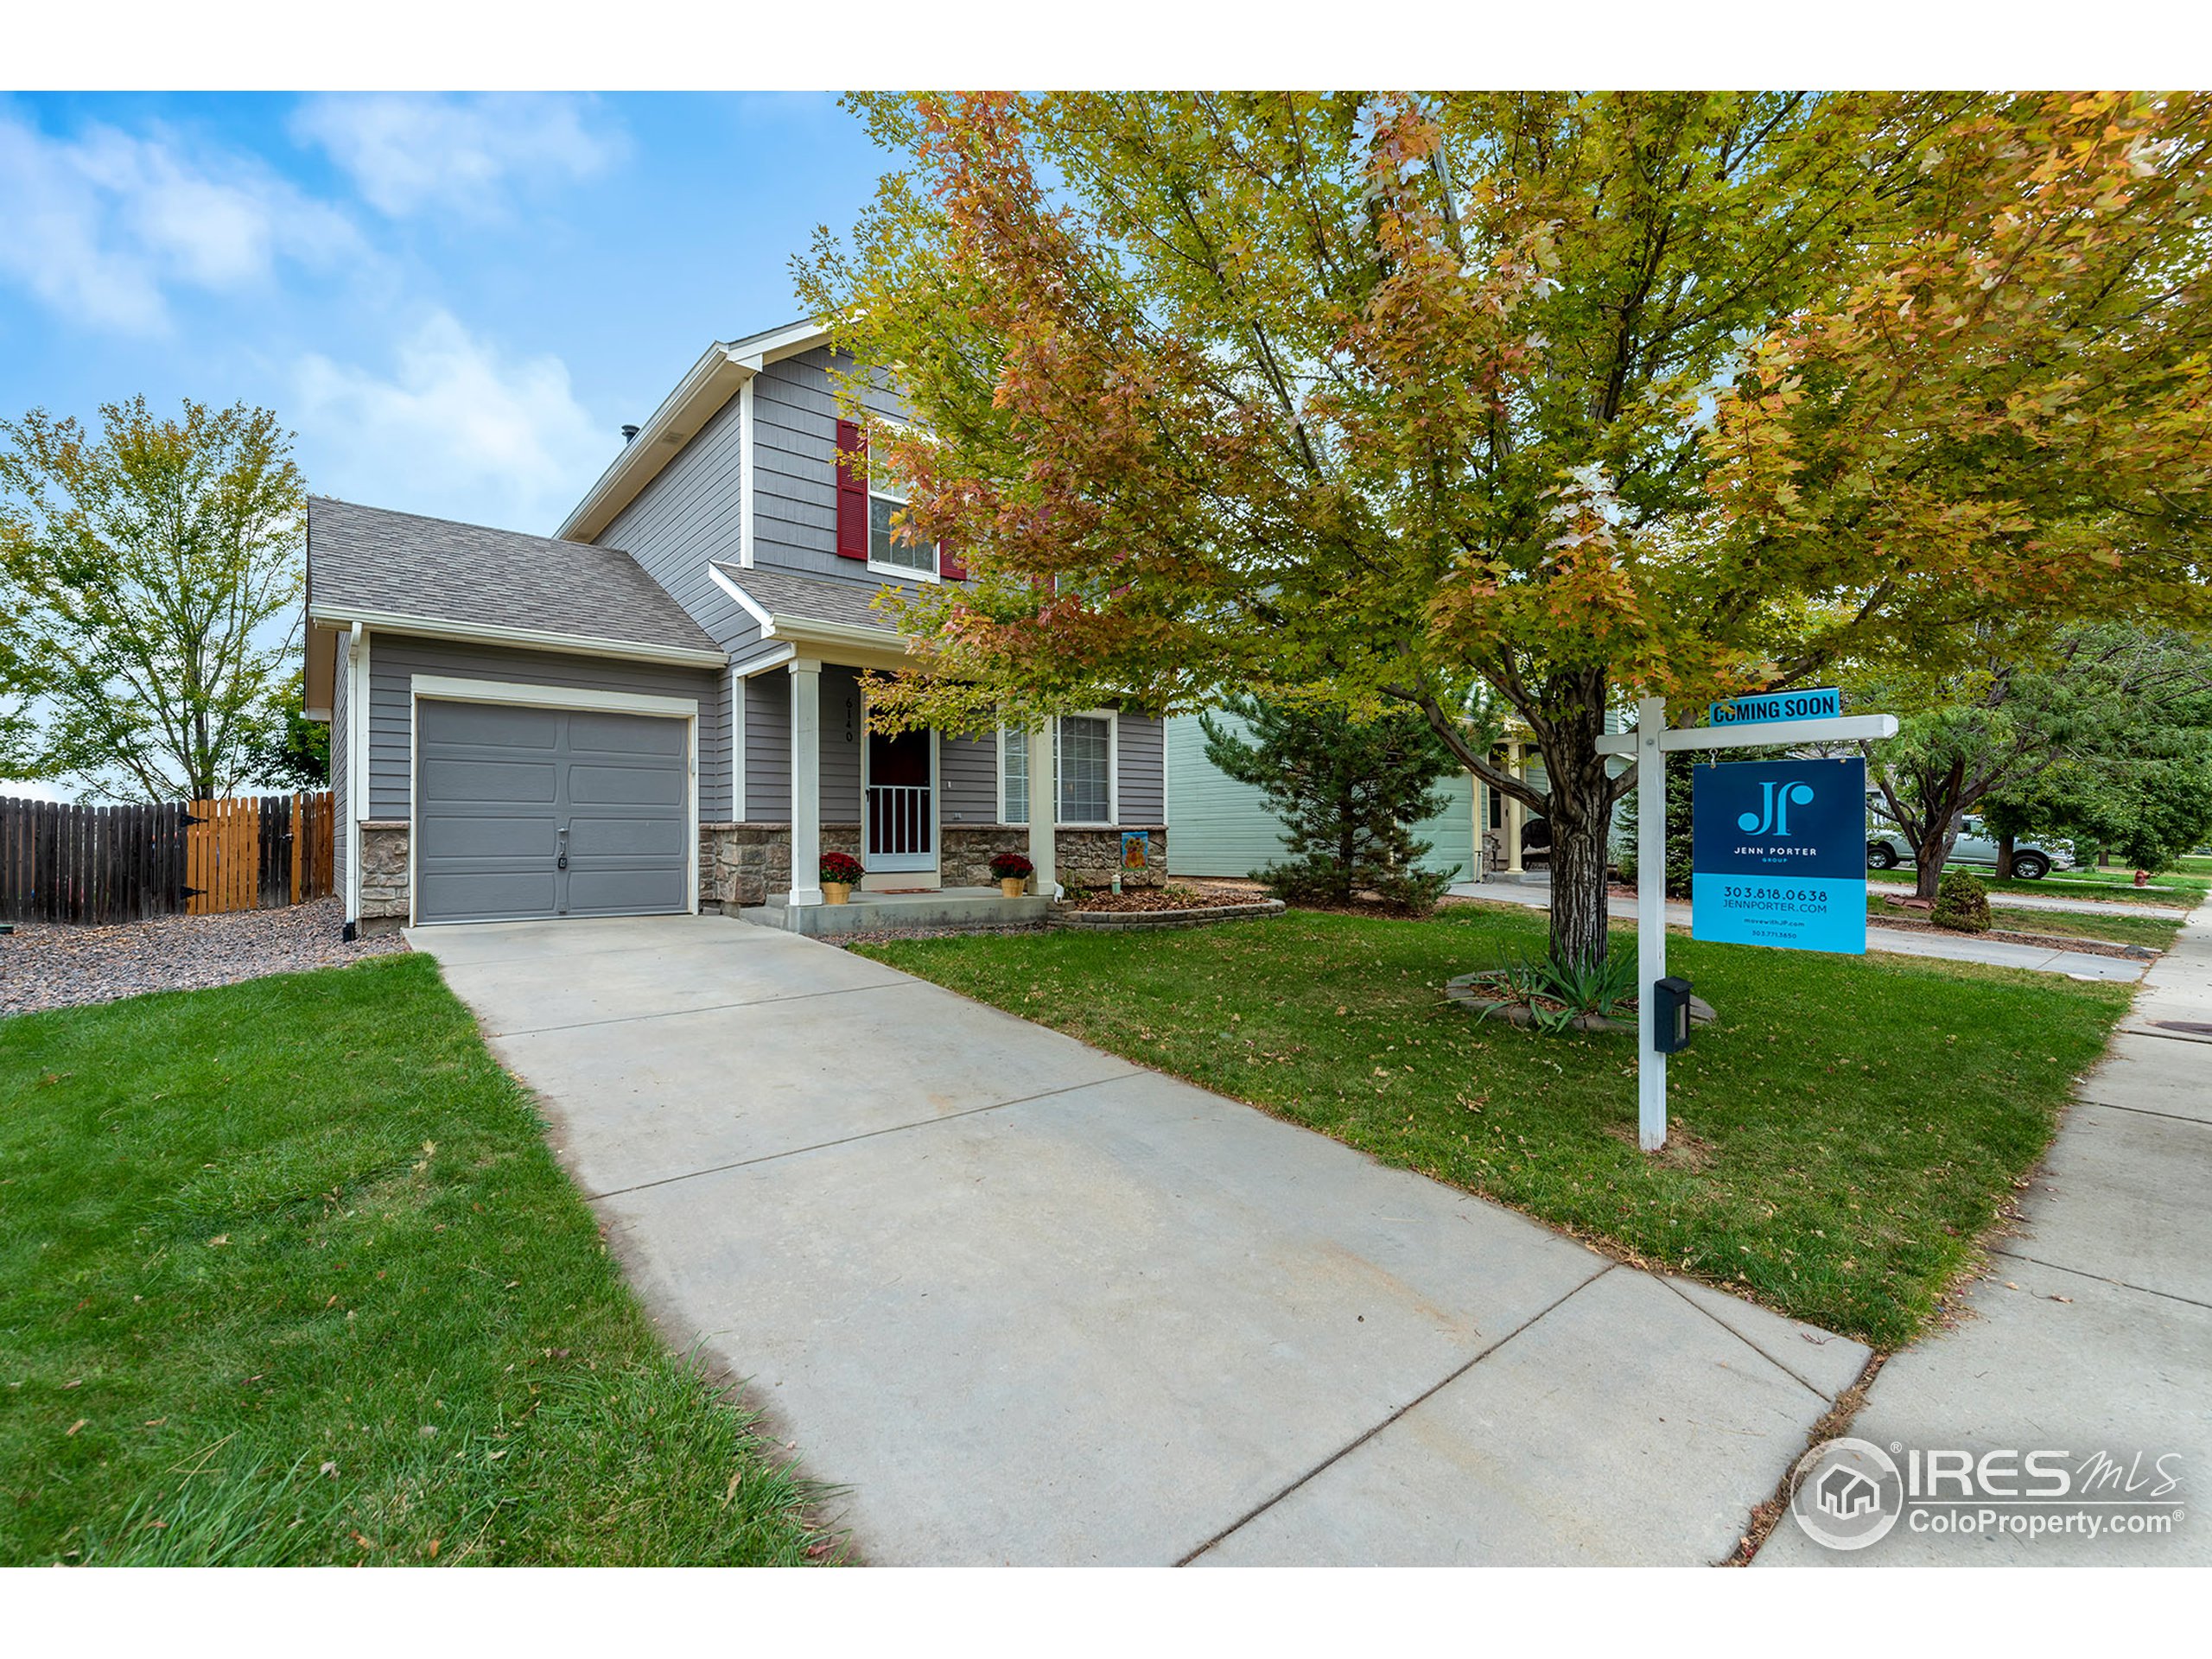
pixel 1011 885
pixel 837 892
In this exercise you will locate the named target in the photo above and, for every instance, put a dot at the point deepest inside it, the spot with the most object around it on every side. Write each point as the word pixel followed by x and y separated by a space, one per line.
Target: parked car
pixel 1886 849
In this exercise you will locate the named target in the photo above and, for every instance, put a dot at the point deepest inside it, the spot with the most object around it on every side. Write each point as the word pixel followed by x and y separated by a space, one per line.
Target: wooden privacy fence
pixel 65 863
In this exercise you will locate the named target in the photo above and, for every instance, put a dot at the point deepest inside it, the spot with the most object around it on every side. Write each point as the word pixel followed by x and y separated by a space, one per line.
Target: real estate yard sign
pixel 1778 855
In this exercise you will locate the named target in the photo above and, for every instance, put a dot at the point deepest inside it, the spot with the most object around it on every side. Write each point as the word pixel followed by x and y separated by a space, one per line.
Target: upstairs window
pixel 889 549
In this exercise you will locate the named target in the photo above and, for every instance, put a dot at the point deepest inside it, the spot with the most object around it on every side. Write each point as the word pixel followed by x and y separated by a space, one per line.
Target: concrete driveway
pixel 1029 1303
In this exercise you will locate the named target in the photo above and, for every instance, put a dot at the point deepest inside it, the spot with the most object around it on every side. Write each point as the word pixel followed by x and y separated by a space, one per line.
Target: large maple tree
pixel 1549 400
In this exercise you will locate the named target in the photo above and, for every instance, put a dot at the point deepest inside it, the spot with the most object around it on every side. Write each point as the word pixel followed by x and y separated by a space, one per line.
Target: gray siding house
pixel 660 709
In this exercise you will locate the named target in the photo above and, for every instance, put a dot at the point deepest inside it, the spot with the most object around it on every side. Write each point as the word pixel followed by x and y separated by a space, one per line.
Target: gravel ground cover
pixel 50 965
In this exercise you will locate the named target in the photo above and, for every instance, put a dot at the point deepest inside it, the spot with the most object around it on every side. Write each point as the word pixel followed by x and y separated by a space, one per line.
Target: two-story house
pixel 660 708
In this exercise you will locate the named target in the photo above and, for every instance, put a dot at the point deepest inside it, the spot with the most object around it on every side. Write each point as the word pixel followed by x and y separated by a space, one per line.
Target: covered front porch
pixel 922 812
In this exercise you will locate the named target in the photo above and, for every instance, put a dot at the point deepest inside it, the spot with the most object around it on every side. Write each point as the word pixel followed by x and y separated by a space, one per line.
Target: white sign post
pixel 1651 743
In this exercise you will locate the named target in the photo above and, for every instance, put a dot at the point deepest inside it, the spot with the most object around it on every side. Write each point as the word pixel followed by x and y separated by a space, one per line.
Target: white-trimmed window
pixel 889 551
pixel 1085 750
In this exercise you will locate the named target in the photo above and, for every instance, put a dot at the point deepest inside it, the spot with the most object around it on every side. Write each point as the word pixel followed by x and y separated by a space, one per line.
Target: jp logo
pixel 1775 802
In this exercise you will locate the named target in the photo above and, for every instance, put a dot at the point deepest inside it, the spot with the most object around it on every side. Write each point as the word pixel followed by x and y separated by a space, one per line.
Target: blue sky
pixel 455 301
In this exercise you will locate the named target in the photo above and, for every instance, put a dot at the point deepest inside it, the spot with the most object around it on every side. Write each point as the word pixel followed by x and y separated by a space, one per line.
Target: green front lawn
pixel 289 1276
pixel 1841 1134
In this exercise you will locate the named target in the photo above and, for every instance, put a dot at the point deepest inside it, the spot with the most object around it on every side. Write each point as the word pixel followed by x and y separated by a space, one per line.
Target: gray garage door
pixel 503 793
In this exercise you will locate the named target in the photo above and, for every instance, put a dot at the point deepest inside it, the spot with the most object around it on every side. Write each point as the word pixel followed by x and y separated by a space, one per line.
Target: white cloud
pixel 99 225
pixel 407 151
pixel 459 430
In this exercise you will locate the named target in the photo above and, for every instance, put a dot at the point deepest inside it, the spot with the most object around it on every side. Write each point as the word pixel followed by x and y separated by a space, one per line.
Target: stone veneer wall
pixel 383 869
pixel 743 863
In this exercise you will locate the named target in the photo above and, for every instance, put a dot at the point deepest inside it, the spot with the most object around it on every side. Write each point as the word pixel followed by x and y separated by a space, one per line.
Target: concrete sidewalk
pixel 2093 1332
pixel 1952 947
pixel 1030 1303
pixel 2071 907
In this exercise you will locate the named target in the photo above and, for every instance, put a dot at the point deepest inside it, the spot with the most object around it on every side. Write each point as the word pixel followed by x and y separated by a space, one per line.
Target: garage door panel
pixel 484 895
pixel 489 725
pixel 626 893
pixel 592 733
pixel 478 837
pixel 495 785
pixel 463 780
pixel 597 786
pixel 600 836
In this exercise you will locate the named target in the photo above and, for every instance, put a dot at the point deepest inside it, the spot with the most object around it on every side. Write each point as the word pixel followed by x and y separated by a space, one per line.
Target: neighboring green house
pixel 1219 827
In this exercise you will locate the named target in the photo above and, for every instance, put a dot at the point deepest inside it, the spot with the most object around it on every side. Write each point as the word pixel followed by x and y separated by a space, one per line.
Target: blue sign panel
pixel 1822 703
pixel 1778 853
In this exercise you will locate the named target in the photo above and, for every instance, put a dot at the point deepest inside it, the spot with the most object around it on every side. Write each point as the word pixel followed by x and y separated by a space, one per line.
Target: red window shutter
pixel 852 493
pixel 950 565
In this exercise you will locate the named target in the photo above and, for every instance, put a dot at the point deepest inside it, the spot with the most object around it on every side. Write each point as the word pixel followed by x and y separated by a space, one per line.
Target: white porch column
pixel 806 780
pixel 1514 812
pixel 1044 808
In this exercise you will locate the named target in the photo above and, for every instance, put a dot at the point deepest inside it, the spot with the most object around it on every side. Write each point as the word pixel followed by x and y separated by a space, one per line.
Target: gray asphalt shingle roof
pixel 815 598
pixel 372 559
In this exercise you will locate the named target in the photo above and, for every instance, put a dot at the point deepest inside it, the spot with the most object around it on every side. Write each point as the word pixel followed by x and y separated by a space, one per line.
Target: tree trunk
pixel 1581 816
pixel 1933 853
pixel 2005 858
pixel 1578 911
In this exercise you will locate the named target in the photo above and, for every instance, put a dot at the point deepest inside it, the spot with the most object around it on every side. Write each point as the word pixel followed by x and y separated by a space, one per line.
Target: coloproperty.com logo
pixel 1848 1494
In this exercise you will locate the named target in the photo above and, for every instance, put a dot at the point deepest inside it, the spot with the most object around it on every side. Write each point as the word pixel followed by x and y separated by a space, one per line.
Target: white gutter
pixel 490 633
pixel 806 630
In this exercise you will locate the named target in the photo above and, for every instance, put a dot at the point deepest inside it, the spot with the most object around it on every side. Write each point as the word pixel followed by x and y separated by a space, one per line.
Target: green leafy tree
pixel 154 573
pixel 2042 730
pixel 21 679
pixel 296 754
pixel 1348 791
pixel 2150 808
pixel 1576 395
pixel 1681 779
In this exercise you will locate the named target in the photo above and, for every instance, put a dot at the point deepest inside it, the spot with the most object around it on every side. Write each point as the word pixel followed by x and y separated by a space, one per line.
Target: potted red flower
pixel 840 871
pixel 1012 871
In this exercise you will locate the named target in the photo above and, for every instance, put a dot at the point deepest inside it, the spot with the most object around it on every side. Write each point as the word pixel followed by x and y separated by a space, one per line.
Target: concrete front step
pixel 869 912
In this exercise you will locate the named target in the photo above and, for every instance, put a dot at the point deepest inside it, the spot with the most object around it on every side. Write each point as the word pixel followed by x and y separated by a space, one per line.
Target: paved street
pixel 1029 1303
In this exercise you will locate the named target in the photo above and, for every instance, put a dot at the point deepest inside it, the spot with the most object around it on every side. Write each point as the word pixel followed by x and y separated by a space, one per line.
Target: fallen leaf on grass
pixel 78 1424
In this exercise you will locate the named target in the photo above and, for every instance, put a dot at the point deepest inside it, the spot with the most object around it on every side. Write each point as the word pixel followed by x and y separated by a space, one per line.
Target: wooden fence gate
pixel 95 864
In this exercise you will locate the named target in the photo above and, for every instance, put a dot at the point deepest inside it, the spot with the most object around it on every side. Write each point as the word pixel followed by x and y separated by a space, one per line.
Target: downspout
pixel 354 715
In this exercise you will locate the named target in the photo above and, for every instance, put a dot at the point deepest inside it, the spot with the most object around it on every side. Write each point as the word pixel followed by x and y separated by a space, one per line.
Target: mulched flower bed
pixel 1105 899
pixel 51 965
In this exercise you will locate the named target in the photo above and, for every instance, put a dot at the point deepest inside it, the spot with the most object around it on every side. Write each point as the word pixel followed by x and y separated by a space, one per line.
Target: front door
pixel 902 833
